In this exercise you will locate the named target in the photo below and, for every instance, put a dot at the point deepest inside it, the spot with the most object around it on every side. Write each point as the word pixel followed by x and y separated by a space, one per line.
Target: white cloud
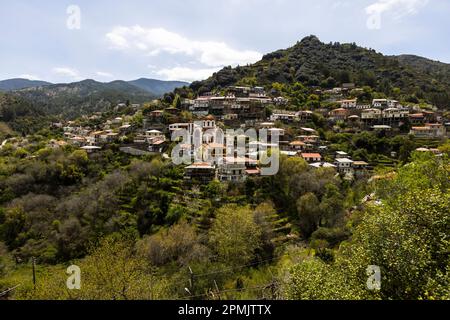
pixel 67 73
pixel 186 74
pixel 154 41
pixel 399 8
pixel 29 77
pixel 104 74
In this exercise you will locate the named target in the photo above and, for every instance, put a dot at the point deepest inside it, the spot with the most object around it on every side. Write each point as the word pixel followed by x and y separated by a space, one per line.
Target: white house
pixel 349 104
pixel 370 114
pixel 344 165
pixel 341 154
pixel 312 157
pixel 91 149
pixel 384 103
pixel 395 113
pixel 430 130
pixel 232 169
pixel 318 165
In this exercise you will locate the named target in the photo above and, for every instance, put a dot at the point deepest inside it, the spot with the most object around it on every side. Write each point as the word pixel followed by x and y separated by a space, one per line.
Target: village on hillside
pixel 241 107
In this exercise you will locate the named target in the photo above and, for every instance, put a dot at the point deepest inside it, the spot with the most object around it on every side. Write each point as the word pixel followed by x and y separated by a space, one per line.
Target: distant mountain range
pixel 83 97
pixel 78 98
pixel 156 88
pixel 19 83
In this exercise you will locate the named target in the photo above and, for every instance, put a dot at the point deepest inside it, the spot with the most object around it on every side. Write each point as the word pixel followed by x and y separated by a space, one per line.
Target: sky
pixel 67 41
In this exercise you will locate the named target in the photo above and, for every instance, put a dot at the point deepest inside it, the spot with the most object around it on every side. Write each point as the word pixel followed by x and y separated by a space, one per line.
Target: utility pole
pixel 217 289
pixel 273 286
pixel 191 281
pixel 273 290
pixel 33 262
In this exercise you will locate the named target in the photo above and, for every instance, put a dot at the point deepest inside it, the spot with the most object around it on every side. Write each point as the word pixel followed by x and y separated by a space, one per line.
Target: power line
pixel 263 287
pixel 236 268
pixel 218 292
pixel 226 270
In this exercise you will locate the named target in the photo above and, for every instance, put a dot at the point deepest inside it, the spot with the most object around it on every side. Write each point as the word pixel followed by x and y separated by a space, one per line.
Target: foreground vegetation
pixel 137 230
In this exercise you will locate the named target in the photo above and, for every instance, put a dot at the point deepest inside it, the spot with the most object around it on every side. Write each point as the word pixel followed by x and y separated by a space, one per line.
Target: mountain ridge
pixel 317 64
pixel 20 83
pixel 153 86
pixel 157 87
pixel 83 97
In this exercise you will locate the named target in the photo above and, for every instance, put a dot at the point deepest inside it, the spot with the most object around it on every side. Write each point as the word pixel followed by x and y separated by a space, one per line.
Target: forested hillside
pixel 76 99
pixel 157 87
pixel 20 115
pixel 85 97
pixel 314 63
pixel 17 84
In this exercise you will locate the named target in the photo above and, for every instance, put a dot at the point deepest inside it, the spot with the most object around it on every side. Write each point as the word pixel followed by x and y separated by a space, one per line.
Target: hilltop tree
pixel 177 102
